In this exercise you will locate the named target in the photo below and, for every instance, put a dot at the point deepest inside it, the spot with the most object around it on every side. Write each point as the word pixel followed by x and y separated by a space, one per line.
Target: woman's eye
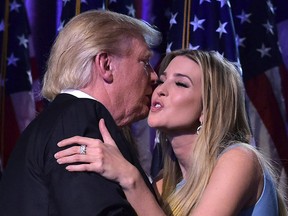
pixel 181 84
pixel 159 82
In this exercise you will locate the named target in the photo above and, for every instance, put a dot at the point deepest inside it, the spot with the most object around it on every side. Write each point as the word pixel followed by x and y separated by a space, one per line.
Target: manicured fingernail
pixel 59 161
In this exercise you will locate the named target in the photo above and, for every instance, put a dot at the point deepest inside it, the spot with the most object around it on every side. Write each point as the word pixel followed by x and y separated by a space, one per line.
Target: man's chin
pixel 141 115
pixel 133 118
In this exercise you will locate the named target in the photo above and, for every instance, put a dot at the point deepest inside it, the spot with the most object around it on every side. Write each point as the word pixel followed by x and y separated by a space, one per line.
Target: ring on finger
pixel 83 149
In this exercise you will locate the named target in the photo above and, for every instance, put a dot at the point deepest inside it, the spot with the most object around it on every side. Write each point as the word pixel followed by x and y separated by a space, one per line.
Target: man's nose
pixel 153 76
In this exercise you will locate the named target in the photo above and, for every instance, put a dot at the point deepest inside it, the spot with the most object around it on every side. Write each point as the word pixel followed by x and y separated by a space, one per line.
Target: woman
pixel 209 166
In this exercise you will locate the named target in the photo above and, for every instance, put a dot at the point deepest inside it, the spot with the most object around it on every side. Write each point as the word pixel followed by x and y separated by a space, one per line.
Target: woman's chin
pixel 151 122
pixel 155 124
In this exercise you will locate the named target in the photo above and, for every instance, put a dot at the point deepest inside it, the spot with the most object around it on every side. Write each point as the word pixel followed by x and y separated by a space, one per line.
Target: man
pixel 98 68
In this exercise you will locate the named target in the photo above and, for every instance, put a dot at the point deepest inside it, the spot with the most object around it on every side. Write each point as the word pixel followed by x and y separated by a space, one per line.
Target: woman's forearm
pixel 139 196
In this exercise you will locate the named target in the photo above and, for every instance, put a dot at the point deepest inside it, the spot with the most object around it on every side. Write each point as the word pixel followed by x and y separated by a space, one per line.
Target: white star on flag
pixel 173 19
pixel 65 1
pixel 264 51
pixel 239 41
pixel 14 6
pixel 60 27
pixel 131 10
pixel 197 23
pixel 223 2
pixel 271 6
pixel 168 48
pixel 12 60
pixel 193 47
pixel 221 29
pixel 244 17
pixel 269 27
pixel 23 41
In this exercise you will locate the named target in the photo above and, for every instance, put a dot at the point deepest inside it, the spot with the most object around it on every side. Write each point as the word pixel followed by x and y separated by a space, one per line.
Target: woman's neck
pixel 183 146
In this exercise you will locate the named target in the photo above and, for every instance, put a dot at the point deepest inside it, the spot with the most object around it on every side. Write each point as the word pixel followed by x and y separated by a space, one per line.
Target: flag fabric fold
pixel 261 61
pixel 17 101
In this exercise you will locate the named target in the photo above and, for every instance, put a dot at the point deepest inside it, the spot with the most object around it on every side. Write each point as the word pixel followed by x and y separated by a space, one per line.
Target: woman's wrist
pixel 129 181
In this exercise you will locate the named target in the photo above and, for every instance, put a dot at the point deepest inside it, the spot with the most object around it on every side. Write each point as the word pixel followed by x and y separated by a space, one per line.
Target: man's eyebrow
pixel 148 54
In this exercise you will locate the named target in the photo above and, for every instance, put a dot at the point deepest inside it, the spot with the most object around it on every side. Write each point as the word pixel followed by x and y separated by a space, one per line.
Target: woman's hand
pixel 100 157
pixel 106 159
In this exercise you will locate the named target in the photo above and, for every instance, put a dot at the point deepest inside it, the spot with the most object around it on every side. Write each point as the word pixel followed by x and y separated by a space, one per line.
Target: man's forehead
pixel 143 49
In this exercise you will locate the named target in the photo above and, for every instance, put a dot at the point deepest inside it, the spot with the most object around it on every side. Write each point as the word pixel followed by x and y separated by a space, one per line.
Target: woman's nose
pixel 161 90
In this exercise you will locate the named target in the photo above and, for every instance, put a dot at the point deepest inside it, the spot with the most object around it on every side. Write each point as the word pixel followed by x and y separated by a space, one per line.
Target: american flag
pixel 261 61
pixel 17 102
pixel 205 25
pixel 71 8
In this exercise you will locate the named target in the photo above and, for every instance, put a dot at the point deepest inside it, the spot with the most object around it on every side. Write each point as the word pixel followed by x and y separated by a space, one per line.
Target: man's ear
pixel 103 64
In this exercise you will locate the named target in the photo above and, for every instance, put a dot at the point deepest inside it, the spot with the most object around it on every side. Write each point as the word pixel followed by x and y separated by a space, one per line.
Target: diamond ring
pixel 83 149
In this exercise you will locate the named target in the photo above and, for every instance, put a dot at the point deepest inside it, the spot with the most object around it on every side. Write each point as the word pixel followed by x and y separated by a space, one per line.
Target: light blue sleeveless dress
pixel 267 204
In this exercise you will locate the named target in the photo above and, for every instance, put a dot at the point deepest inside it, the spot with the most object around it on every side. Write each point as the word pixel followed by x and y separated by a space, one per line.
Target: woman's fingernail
pixel 59 161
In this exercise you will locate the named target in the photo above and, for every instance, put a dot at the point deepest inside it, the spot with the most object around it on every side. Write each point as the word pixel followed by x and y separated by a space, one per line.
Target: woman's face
pixel 176 102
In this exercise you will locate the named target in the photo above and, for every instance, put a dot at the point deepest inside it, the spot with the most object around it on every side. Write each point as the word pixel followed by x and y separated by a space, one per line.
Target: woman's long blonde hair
pixel 225 123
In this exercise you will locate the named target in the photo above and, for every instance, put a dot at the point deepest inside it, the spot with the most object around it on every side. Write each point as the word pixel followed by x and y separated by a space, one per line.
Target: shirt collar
pixel 77 93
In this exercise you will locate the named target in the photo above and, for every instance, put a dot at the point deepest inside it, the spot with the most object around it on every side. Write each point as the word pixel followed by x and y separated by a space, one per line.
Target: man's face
pixel 133 81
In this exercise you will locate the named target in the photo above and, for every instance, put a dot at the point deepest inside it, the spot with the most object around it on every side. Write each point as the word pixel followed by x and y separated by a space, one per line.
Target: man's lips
pixel 148 98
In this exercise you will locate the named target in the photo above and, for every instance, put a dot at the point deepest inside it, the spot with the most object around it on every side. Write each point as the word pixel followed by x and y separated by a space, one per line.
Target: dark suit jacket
pixel 34 184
